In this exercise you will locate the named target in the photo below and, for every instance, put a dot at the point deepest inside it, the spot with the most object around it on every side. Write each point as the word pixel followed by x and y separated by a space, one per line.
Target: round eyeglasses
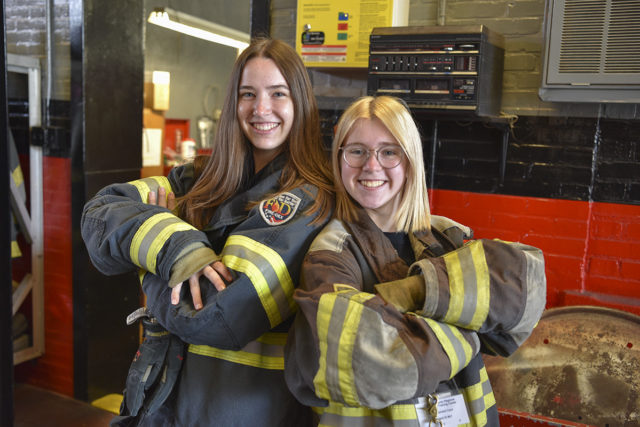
pixel 356 155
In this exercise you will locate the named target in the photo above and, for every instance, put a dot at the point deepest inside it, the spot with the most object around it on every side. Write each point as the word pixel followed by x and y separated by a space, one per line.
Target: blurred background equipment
pixel 580 364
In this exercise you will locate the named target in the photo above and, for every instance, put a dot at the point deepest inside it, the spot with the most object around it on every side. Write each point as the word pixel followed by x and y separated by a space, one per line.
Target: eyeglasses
pixel 356 155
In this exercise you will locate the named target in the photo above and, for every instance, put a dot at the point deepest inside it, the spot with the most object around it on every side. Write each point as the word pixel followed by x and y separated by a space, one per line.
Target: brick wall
pixel 519 21
pixel 26 29
pixel 565 180
pixel 591 249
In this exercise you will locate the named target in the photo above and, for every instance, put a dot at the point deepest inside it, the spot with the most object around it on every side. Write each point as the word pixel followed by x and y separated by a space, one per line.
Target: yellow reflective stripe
pixel 482 283
pixel 469 286
pixel 273 338
pixel 345 349
pixel 267 352
pixel 18 179
pixel 455 345
pixel 346 321
pixel 143 187
pixel 175 225
pixel 259 283
pixel 141 274
pixel 456 287
pixel 161 239
pixel 393 412
pixel 256 275
pixel 478 401
pixel 163 182
pixel 323 319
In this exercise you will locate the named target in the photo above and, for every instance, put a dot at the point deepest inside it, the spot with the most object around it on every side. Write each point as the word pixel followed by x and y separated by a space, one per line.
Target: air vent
pixel 592 51
pixel 623 38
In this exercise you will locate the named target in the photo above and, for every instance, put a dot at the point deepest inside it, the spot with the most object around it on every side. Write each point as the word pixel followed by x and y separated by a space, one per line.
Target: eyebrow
pixel 281 86
pixel 382 144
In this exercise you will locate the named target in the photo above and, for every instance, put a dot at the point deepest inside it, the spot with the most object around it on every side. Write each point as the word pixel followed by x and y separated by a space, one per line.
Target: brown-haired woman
pixel 241 228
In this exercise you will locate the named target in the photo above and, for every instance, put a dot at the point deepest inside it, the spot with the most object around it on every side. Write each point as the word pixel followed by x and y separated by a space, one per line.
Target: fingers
pixel 175 294
pixel 171 201
pixel 162 197
pixel 194 287
pixel 222 270
pixel 214 272
pixel 214 277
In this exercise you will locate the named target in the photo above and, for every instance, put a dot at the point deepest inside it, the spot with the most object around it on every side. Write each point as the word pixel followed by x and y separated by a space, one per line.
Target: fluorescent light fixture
pixel 200 28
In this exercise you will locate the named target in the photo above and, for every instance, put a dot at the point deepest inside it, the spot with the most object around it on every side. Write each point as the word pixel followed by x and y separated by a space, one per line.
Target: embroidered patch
pixel 279 209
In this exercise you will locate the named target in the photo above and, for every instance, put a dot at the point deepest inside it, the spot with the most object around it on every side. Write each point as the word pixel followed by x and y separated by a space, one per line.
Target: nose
pixel 372 162
pixel 262 106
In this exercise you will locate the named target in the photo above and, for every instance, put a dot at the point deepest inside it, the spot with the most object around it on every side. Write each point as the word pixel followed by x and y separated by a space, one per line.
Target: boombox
pixel 450 69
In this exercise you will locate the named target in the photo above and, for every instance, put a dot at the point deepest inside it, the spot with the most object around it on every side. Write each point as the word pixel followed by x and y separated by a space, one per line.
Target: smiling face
pixel 376 189
pixel 265 109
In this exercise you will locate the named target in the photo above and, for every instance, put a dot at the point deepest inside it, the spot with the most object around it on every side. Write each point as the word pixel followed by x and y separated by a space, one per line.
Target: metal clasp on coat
pixel 432 407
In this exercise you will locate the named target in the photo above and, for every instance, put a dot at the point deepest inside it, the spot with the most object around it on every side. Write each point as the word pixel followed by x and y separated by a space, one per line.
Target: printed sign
pixel 335 33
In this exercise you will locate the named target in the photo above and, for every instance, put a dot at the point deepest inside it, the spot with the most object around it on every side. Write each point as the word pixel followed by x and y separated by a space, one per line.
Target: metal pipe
pixel 49 54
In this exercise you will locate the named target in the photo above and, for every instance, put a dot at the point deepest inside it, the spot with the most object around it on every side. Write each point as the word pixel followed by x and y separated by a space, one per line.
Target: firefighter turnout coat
pixel 232 372
pixel 361 356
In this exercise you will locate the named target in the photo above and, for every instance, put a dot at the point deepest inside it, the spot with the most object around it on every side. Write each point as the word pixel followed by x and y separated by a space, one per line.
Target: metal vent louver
pixel 623 38
pixel 582 36
pixel 592 44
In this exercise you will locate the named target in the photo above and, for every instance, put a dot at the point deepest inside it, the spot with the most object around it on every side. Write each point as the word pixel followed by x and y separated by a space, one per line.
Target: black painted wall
pixel 106 115
pixel 560 158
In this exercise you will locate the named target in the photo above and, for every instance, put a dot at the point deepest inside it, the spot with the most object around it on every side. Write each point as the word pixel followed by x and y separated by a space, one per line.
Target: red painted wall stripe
pixel 54 370
pixel 592 250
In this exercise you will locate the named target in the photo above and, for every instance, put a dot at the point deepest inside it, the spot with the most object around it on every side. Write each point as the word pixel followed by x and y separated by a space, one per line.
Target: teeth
pixel 264 126
pixel 372 184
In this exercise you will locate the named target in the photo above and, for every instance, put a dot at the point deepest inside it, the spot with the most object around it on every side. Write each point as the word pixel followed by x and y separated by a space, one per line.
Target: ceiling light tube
pixel 200 28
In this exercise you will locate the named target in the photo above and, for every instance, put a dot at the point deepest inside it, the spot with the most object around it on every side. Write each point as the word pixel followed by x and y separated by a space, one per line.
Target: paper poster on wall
pixel 335 33
pixel 151 147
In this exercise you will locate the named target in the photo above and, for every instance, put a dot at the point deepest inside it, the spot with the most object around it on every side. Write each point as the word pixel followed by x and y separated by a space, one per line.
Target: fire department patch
pixel 279 209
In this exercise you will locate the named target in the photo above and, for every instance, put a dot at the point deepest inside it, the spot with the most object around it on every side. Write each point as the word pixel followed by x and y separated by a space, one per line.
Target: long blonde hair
pixel 413 213
pixel 306 162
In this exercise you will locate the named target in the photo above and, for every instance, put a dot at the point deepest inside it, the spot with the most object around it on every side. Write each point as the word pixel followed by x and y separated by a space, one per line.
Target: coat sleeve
pixel 123 233
pixel 351 347
pixel 490 286
pixel 265 259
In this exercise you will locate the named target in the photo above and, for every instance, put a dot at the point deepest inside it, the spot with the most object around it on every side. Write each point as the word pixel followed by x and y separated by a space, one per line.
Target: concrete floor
pixel 34 406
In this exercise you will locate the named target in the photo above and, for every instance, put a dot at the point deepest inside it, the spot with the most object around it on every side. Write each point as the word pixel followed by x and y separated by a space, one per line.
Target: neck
pixel 385 223
pixel 262 158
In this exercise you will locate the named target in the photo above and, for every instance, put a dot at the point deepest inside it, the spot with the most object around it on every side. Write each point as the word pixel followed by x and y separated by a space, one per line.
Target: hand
pixel 214 272
pixel 161 198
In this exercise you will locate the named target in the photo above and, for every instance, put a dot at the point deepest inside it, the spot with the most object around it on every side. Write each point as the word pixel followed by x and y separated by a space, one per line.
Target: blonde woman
pixel 395 305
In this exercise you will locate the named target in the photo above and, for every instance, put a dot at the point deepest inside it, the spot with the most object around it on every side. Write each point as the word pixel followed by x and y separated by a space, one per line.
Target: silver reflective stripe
pixel 268 274
pixel 336 325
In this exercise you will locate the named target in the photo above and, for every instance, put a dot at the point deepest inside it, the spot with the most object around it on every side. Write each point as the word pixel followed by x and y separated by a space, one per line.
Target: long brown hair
pixel 306 162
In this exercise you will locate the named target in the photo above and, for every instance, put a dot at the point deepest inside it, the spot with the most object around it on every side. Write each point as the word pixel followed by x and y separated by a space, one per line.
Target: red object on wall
pixel 175 130
pixel 592 250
